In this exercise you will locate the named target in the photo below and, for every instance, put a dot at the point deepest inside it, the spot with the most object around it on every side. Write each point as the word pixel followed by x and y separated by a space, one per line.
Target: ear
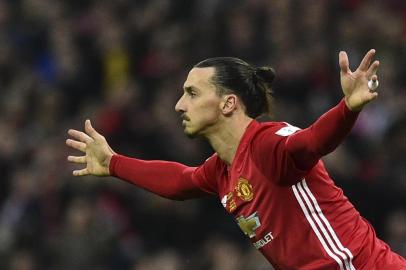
pixel 229 103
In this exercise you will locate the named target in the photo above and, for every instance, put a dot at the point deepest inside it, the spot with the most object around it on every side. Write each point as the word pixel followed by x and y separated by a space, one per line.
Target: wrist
pixel 352 108
pixel 108 163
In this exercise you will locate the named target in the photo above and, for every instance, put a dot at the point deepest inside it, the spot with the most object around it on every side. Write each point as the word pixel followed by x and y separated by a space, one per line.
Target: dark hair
pixel 252 84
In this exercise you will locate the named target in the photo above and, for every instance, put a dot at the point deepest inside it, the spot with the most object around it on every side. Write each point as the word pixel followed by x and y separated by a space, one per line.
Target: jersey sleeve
pixel 307 146
pixel 287 153
pixel 205 176
pixel 168 179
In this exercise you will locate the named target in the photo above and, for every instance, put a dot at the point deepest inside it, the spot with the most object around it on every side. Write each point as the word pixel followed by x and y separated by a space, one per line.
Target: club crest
pixel 244 190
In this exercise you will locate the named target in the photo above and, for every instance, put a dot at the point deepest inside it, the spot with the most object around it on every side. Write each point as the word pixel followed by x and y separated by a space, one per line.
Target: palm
pixel 355 84
pixel 94 162
pixel 96 156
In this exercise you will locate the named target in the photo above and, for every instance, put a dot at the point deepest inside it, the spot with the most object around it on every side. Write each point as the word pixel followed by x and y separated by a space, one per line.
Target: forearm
pixel 168 179
pixel 307 146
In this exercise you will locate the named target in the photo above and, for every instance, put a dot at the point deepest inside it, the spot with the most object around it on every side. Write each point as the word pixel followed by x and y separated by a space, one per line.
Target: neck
pixel 227 137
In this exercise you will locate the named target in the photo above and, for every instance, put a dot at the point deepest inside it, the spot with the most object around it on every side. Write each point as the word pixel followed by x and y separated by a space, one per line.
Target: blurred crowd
pixel 122 64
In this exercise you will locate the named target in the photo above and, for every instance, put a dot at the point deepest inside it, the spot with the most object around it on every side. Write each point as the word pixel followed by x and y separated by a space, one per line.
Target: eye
pixel 191 92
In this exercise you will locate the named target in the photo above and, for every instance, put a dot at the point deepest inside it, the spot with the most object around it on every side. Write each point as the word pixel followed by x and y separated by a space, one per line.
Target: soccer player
pixel 269 176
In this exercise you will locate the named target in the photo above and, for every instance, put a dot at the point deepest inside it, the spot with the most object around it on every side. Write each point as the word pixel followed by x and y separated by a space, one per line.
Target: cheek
pixel 209 112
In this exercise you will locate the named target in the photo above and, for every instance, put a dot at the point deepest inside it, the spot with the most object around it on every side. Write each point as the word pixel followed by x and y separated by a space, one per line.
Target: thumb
pixel 343 62
pixel 90 130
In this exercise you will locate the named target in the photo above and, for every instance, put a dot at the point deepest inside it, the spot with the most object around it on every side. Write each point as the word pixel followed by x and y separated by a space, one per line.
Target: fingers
pixel 76 145
pixel 372 69
pixel 79 135
pixel 343 61
pixel 374 77
pixel 90 130
pixel 81 172
pixel 373 95
pixel 75 159
pixel 367 60
pixel 373 83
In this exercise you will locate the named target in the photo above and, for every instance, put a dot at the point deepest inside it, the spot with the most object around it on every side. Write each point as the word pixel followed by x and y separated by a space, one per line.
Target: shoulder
pixel 206 175
pixel 273 131
pixel 212 166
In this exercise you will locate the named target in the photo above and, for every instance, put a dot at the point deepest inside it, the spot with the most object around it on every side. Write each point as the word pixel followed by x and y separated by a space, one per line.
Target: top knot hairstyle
pixel 252 84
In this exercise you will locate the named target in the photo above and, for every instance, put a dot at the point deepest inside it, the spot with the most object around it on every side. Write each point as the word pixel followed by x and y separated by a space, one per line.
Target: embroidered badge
pixel 228 201
pixel 232 205
pixel 244 190
pixel 286 131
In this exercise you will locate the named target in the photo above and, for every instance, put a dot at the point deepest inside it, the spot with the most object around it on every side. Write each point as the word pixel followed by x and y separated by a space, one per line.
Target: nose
pixel 180 107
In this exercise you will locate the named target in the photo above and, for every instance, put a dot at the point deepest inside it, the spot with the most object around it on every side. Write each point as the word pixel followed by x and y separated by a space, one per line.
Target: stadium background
pixel 122 64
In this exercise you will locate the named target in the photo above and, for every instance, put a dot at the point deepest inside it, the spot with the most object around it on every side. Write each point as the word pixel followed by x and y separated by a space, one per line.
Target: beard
pixel 197 129
pixel 190 134
pixel 185 122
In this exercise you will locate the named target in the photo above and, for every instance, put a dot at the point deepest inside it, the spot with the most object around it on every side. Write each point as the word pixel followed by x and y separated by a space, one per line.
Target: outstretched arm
pixel 167 179
pixel 307 146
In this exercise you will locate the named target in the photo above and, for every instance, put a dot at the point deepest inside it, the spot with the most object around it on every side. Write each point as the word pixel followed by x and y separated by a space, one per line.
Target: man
pixel 269 176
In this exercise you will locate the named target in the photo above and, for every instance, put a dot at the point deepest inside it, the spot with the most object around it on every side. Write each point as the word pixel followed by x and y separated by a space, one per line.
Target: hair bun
pixel 265 74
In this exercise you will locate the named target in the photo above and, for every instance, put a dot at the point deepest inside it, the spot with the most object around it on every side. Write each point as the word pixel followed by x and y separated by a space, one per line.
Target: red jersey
pixel 297 219
pixel 280 195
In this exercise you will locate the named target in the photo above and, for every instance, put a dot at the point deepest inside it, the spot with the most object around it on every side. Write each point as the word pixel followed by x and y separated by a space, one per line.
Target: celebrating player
pixel 269 175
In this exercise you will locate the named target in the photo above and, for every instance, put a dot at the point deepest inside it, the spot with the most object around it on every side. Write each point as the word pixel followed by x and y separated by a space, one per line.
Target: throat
pixel 226 142
pixel 226 153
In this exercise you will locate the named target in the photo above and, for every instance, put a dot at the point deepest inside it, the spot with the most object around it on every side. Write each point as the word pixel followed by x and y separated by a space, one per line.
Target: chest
pixel 251 198
pixel 243 189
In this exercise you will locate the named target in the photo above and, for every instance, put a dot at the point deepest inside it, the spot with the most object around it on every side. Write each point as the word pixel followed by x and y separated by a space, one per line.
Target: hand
pixel 355 84
pixel 98 152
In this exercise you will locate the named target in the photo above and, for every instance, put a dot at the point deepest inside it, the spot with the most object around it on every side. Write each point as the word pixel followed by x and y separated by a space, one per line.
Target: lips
pixel 185 117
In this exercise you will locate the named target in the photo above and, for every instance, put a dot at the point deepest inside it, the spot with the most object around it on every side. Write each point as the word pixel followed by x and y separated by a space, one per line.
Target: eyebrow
pixel 190 89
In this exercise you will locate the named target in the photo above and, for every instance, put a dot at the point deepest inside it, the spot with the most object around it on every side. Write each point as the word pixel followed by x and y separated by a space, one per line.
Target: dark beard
pixel 190 135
